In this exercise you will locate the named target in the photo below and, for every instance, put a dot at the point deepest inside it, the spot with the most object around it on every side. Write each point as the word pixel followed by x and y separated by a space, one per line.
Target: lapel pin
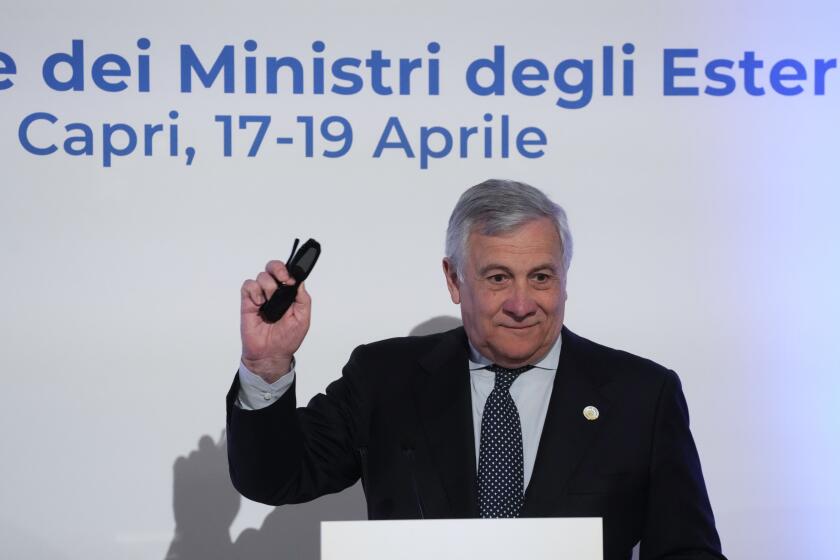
pixel 591 413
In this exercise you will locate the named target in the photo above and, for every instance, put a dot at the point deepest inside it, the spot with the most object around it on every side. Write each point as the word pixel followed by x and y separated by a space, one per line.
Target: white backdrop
pixel 705 229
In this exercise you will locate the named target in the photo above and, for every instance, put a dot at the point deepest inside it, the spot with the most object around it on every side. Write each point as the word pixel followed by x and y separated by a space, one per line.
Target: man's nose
pixel 520 305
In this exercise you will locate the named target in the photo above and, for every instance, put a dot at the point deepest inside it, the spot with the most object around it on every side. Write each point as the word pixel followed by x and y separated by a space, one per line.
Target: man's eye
pixel 497 278
pixel 541 277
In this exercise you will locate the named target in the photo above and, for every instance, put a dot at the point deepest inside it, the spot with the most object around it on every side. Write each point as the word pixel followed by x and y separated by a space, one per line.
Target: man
pixel 511 415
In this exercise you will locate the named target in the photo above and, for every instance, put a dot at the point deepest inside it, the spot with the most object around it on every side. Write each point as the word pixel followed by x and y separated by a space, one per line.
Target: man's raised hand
pixel 267 348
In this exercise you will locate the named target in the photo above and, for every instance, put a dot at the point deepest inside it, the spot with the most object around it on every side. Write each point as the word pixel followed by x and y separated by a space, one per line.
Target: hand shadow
pixel 206 503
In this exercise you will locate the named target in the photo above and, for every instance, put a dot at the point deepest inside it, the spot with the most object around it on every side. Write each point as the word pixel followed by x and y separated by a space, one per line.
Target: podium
pixel 463 539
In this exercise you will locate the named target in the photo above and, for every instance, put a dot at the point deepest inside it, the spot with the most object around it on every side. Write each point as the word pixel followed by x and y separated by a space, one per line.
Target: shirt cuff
pixel 256 393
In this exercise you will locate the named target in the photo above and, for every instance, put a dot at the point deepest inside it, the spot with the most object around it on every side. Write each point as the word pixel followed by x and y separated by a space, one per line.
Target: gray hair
pixel 499 206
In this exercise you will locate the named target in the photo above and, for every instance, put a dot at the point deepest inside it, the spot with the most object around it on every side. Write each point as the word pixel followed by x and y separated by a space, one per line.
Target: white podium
pixel 463 539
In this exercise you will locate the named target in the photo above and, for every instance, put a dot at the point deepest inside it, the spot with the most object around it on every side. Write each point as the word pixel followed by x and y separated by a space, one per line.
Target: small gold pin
pixel 591 413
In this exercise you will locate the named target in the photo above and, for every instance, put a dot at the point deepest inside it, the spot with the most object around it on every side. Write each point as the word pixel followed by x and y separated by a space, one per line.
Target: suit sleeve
pixel 679 523
pixel 282 454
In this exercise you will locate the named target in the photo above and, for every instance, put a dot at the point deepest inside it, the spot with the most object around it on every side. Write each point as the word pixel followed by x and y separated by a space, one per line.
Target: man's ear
pixel 453 283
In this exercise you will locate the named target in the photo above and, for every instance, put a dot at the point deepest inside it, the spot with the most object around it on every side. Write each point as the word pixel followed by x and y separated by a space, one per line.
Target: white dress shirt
pixel 531 392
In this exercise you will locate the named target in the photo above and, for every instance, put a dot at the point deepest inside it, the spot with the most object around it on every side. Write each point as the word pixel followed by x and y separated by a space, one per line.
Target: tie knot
pixel 506 376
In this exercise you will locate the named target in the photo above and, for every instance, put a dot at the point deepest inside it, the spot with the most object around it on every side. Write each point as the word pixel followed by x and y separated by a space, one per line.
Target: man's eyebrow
pixel 493 266
pixel 547 266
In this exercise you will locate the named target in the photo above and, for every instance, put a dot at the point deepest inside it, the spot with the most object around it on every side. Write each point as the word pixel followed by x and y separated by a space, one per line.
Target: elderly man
pixel 511 415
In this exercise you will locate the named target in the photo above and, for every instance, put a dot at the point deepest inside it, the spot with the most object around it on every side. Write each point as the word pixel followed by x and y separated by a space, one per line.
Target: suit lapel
pixel 566 434
pixel 445 405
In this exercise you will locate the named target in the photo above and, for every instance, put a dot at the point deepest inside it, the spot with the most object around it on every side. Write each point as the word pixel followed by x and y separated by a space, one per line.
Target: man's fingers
pixel 267 283
pixel 256 292
pixel 278 270
pixel 252 293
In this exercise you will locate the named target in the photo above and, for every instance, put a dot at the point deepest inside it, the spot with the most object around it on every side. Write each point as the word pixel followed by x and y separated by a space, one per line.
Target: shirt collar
pixel 550 361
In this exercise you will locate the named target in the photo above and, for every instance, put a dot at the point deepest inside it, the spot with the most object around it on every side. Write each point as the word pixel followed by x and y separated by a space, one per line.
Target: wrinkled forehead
pixel 535 240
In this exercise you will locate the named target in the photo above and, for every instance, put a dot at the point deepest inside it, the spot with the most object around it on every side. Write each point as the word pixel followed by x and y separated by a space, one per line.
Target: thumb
pixel 303 296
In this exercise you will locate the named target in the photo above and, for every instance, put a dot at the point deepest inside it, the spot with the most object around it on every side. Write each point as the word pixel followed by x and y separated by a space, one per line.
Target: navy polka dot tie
pixel 501 472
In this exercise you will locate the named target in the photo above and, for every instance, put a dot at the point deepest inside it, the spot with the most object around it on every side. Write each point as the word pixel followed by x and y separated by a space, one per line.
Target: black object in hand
pixel 299 265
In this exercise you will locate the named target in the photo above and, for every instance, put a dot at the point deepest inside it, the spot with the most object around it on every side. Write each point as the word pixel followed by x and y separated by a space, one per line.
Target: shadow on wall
pixel 206 504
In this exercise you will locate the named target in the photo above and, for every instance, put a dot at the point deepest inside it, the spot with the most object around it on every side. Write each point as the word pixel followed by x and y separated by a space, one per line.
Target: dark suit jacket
pixel 400 418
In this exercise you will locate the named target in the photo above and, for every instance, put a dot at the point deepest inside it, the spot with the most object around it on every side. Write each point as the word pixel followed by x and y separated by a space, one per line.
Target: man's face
pixel 513 292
